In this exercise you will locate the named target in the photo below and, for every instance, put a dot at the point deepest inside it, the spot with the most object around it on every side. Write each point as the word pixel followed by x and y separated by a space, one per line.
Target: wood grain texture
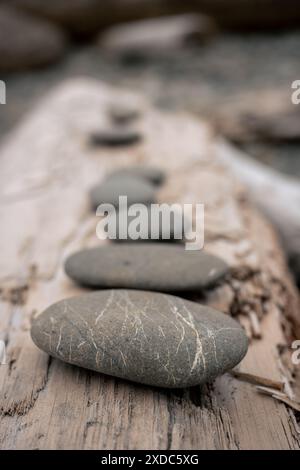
pixel 47 168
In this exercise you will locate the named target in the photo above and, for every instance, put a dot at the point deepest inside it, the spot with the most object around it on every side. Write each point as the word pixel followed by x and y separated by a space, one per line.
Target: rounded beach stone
pixel 146 337
pixel 151 174
pixel 150 227
pixel 27 41
pixel 151 266
pixel 124 113
pixel 137 190
pixel 115 136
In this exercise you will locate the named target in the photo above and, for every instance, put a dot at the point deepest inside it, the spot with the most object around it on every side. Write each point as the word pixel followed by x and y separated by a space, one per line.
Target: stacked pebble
pixel 135 328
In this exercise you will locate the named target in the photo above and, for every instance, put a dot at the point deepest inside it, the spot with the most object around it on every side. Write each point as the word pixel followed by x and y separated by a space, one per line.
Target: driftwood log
pixel 47 167
pixel 277 195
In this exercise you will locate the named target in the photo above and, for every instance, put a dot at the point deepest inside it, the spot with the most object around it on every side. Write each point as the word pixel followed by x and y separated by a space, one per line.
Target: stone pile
pixel 135 328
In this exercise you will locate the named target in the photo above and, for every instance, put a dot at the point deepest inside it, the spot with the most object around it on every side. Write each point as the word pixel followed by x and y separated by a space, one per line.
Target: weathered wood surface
pixel 47 168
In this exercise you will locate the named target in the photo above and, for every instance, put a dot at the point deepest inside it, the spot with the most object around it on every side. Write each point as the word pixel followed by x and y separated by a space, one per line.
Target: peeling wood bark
pixel 47 168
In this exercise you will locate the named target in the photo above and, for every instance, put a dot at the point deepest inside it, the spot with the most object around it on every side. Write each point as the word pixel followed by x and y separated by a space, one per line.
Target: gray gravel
pixel 198 80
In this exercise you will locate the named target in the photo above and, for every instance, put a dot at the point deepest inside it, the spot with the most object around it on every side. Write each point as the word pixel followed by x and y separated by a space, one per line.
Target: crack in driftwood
pixel 21 408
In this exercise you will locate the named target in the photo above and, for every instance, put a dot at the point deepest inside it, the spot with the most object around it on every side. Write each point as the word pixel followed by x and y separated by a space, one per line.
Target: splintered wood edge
pixel 47 168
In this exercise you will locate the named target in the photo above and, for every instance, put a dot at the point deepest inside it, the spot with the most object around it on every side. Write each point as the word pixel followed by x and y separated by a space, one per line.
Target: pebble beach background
pixel 202 79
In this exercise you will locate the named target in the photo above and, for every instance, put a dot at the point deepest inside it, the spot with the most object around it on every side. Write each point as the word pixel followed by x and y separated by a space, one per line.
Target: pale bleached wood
pixel 276 194
pixel 47 168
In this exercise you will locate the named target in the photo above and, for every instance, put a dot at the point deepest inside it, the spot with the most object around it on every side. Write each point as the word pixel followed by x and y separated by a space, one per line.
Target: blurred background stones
pixel 153 37
pixel 26 41
pixel 239 77
pixel 88 16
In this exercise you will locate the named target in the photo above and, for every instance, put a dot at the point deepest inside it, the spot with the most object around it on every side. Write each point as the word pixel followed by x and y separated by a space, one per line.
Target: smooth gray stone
pixel 137 190
pixel 151 266
pixel 27 41
pixel 122 114
pixel 154 37
pixel 115 136
pixel 152 174
pixel 147 337
pixel 165 230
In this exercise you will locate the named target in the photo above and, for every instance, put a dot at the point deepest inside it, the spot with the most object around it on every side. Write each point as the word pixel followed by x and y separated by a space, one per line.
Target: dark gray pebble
pixel 150 227
pixel 147 337
pixel 150 266
pixel 114 137
pixel 152 174
pixel 123 114
pixel 137 190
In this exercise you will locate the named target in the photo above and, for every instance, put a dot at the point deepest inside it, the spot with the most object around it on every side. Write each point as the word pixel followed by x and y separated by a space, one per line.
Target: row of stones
pixel 133 328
